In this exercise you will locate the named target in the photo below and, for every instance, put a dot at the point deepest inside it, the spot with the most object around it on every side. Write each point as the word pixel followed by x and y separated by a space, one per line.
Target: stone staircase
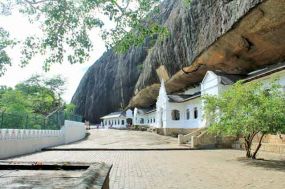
pixel 189 138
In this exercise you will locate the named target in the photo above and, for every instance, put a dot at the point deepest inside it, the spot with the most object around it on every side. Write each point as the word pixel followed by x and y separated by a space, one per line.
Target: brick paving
pixel 118 139
pixel 199 169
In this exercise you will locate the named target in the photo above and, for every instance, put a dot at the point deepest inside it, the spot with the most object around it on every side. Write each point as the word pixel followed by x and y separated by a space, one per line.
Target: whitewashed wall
pixel 14 142
pixel 183 122
pixel 115 122
pixel 149 119
pixel 73 131
pixel 279 75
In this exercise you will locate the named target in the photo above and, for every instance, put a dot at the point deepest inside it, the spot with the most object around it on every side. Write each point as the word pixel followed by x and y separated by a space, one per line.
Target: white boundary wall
pixel 14 142
pixel 73 131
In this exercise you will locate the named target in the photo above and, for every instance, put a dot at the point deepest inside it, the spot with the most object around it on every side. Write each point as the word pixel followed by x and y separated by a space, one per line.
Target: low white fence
pixel 15 142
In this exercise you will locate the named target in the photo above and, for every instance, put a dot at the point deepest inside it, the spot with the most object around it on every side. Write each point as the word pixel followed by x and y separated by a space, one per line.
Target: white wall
pixel 210 84
pixel 149 119
pixel 115 122
pixel 73 131
pixel 267 79
pixel 182 107
pixel 14 142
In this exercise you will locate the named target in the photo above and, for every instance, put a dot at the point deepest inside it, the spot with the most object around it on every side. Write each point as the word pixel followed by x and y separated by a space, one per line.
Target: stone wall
pixel 270 143
pixel 173 131
pixel 206 140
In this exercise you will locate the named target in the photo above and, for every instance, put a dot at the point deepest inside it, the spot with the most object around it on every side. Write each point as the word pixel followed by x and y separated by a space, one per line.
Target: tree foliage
pixel 15 101
pixel 5 41
pixel 66 25
pixel 248 110
pixel 35 95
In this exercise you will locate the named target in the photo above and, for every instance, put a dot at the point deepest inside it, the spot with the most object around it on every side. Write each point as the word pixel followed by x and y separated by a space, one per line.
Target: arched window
pixel 142 121
pixel 175 114
pixel 187 114
pixel 153 120
pixel 115 122
pixel 123 122
pixel 195 113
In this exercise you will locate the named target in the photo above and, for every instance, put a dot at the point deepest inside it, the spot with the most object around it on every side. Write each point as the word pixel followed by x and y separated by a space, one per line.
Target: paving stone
pixel 199 169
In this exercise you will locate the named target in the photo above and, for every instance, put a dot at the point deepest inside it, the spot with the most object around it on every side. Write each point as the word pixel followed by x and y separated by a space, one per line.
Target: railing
pixel 72 117
pixel 53 121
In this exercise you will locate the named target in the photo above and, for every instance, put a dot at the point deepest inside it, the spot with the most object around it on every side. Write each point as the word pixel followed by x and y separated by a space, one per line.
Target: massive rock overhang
pixel 257 40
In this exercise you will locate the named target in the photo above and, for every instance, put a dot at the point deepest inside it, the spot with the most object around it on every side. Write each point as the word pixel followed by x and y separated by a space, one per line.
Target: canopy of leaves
pixel 4 43
pixel 66 25
pixel 15 101
pixel 36 95
pixel 246 109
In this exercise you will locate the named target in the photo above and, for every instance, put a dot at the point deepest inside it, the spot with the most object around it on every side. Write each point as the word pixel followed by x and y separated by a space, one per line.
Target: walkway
pixel 199 169
pixel 123 139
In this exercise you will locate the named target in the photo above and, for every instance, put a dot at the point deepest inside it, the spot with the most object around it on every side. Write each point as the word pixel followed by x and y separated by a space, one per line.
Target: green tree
pixel 69 108
pixel 248 110
pixel 66 25
pixel 44 94
pixel 13 101
pixel 5 41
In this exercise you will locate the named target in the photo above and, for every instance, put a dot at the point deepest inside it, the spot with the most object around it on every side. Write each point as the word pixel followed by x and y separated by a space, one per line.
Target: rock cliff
pixel 234 36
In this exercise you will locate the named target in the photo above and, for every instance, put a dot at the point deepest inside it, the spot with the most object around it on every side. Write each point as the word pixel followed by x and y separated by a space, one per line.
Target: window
pixel 153 120
pixel 175 114
pixel 142 121
pixel 187 114
pixel 115 122
pixel 195 113
pixel 123 122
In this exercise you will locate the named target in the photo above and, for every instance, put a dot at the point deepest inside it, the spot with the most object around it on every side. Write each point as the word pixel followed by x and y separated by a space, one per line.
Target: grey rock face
pixel 111 81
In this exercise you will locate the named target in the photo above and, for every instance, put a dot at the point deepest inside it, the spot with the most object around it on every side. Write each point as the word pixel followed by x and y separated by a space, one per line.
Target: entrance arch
pixel 129 121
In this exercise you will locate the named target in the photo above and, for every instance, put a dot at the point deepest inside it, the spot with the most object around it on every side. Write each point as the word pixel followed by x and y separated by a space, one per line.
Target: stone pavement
pixel 123 139
pixel 199 169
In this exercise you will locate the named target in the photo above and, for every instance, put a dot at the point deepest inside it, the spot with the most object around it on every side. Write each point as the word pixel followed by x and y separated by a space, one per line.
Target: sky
pixel 19 27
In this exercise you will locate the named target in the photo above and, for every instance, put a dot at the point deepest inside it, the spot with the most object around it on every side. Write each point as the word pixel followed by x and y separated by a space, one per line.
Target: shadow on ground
pixel 267 164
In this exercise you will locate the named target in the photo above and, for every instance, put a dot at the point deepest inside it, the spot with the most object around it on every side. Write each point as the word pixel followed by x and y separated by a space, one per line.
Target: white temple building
pixel 118 119
pixel 183 112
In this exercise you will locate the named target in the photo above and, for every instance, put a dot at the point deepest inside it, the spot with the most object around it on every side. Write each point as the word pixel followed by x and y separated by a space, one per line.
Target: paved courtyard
pixel 123 139
pixel 187 169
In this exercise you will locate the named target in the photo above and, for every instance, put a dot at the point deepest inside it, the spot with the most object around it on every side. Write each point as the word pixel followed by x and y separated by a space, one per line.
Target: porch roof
pixel 179 98
pixel 114 115
pixel 265 71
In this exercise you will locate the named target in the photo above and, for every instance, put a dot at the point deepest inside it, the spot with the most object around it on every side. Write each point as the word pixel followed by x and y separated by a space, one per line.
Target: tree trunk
pixel 248 143
pixel 258 146
pixel 247 148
